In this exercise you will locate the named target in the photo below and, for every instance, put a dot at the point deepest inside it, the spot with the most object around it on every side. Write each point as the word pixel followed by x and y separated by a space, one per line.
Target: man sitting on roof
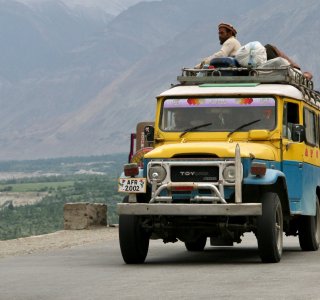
pixel 230 45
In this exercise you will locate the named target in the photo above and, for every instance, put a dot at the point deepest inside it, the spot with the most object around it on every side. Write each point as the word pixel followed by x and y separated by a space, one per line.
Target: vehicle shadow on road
pixel 211 255
pixel 215 255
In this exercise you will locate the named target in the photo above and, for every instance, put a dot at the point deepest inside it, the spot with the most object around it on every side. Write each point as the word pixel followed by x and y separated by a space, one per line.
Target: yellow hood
pixel 220 149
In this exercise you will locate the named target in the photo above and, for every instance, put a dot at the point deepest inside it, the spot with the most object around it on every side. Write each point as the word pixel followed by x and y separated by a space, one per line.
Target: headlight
pixel 229 173
pixel 157 173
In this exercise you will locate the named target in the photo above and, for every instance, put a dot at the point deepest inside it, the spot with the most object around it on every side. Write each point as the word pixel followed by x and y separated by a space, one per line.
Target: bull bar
pixel 217 207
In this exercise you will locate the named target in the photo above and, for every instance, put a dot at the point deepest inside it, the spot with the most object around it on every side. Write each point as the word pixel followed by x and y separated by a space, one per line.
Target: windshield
pixel 218 114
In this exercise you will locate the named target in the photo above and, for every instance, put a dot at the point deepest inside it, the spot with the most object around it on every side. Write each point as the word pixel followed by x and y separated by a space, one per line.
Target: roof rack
pixel 283 75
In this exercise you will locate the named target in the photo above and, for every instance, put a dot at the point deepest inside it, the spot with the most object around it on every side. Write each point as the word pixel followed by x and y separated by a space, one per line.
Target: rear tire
pixel 197 245
pixel 134 240
pixel 309 231
pixel 270 229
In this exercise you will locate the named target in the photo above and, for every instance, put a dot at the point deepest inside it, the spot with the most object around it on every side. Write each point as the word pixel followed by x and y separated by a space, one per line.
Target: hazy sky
pixel 111 6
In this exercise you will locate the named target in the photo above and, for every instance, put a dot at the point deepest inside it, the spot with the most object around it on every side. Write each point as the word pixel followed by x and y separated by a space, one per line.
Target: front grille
pixel 194 173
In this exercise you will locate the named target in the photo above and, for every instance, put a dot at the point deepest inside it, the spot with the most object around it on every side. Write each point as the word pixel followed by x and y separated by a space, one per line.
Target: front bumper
pixel 161 209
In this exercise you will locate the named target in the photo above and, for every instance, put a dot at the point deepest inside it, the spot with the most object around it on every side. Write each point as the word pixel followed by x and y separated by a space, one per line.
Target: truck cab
pixel 229 154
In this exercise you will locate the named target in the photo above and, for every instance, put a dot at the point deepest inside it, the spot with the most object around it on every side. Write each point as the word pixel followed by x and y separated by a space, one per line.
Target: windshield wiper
pixel 194 128
pixel 242 126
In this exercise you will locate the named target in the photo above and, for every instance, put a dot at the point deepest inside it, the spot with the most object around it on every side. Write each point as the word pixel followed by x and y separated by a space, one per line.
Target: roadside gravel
pixel 56 240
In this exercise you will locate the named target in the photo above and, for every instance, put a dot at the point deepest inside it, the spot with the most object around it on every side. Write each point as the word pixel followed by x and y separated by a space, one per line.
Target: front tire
pixel 309 231
pixel 270 229
pixel 134 240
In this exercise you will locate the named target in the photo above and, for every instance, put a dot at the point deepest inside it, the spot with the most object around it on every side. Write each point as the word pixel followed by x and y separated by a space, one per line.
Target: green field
pixel 35 186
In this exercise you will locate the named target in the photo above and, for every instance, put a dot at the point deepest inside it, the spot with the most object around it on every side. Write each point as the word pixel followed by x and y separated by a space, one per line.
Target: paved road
pixel 96 271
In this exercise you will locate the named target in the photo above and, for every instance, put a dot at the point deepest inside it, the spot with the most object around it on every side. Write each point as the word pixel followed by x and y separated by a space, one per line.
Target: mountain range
pixel 76 78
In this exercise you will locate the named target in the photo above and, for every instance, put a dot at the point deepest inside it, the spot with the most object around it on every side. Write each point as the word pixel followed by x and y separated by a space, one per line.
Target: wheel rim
pixel 279 229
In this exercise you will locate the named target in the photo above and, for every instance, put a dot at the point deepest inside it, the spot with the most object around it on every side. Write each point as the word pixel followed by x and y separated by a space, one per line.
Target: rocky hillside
pixel 72 84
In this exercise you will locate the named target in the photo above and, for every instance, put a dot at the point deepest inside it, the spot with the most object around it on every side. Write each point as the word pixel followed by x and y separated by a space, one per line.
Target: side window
pixel 309 121
pixel 290 116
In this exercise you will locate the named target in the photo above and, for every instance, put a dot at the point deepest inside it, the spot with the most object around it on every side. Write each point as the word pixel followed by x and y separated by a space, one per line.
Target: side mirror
pixel 149 133
pixel 298 133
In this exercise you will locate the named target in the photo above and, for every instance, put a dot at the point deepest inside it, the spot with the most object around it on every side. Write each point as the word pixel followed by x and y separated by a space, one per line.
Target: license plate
pixel 132 185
